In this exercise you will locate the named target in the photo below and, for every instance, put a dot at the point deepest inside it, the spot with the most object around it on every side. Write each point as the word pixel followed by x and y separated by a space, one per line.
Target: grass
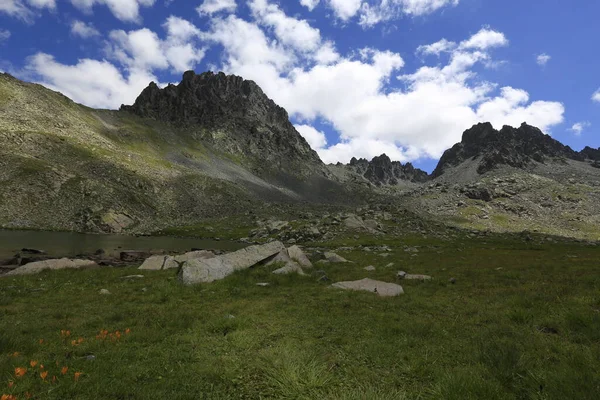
pixel 521 322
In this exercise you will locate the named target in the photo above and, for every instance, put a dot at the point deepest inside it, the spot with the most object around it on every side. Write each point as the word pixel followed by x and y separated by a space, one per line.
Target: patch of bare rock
pixel 56 264
pixel 383 289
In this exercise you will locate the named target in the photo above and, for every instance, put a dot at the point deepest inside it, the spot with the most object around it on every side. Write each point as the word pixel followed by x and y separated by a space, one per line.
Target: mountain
pixel 382 171
pixel 212 146
pixel 515 147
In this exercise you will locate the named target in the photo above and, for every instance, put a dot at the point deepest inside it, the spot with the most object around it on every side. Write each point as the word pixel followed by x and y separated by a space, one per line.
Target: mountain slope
pixel 66 166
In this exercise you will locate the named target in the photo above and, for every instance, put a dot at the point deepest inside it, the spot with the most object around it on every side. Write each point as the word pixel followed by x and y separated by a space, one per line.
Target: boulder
pixel 334 258
pixel 211 269
pixel 298 255
pixel 383 289
pixel 289 268
pixel 416 277
pixel 354 222
pixel 56 264
pixel 157 263
pixel 370 268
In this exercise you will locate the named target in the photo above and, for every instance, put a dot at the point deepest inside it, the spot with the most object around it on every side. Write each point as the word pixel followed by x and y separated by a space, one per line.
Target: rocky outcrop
pixel 231 113
pixel 382 171
pixel 515 147
pixel 39 266
pixel 208 270
pixel 161 262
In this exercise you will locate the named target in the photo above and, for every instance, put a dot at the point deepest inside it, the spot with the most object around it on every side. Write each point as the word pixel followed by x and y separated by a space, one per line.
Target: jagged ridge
pixel 383 171
pixel 231 113
pixel 515 147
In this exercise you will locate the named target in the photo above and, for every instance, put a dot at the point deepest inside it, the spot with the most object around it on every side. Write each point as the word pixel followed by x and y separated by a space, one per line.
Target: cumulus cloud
pixel 83 30
pixel 210 7
pixel 579 127
pixel 372 104
pixel 315 138
pixel 310 4
pixel 596 96
pixel 74 80
pixel 542 59
pixel 19 8
pixel 125 10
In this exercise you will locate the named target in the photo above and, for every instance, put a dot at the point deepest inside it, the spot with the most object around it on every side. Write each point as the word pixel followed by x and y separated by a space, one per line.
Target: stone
pixel 54 264
pixel 154 263
pixel 383 289
pixel 116 222
pixel 211 269
pixel 401 274
pixel 354 222
pixel 134 255
pixel 133 277
pixel 452 280
pixel 369 268
pixel 417 277
pixel 290 268
pixel 276 226
pixel 334 258
pixel 104 292
pixel 263 284
pixel 371 224
pixel 298 255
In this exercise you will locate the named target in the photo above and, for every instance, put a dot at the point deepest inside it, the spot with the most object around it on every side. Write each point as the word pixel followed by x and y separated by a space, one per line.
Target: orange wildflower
pixel 127 331
pixel 28 395
pixel 8 397
pixel 19 372
pixel 80 340
pixel 73 342
pixel 33 363
pixel 41 366
pixel 64 370
pixel 65 333
pixel 54 379
pixel 118 334
pixel 77 375
pixel 10 384
pixel 41 341
pixel 15 354
pixel 44 374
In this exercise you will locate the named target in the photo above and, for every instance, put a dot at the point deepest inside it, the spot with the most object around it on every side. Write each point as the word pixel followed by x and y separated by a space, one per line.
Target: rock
pixel 389 265
pixel 263 284
pixel 401 274
pixel 354 222
pixel 334 258
pixel 55 264
pixel 276 226
pixel 369 268
pixel 289 268
pixel 104 292
pixel 383 171
pixel 371 224
pixel 133 277
pixel 452 280
pixel 154 263
pixel 417 277
pixel 298 255
pixel 32 251
pixel 211 269
pixel 100 252
pixel 116 222
pixel 383 289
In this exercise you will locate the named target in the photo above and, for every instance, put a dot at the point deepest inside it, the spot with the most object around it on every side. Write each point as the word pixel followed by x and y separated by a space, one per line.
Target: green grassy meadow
pixel 522 321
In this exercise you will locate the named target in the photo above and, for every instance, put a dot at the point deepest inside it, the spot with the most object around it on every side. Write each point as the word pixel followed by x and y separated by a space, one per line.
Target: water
pixel 66 244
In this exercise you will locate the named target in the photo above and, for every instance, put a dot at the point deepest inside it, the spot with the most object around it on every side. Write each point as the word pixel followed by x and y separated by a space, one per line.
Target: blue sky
pixel 358 77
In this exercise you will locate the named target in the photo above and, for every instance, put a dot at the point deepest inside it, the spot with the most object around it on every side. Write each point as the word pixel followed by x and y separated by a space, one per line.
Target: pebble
pixel 104 291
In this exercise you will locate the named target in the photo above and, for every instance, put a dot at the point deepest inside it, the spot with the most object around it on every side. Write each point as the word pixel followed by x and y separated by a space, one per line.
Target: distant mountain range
pixel 214 145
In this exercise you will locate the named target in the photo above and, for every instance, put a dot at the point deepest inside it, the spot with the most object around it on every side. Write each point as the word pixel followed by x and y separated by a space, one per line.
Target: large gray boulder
pixel 298 255
pixel 383 289
pixel 157 263
pixel 56 264
pixel 211 269
pixel 334 258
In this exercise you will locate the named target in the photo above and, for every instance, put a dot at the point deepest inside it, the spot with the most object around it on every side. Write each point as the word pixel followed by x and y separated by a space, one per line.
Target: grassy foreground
pixel 521 322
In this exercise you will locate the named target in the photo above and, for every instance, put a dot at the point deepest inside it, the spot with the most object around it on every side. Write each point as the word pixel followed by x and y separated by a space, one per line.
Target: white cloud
pixel 310 4
pixel 81 29
pixel 596 96
pixel 316 139
pixel 210 7
pixel 436 48
pixel 125 10
pixel 345 9
pixel 542 59
pixel 81 83
pixel 143 49
pixel 290 31
pixel 579 127
pixel 43 3
pixel 484 39
pixel 4 35
pixel 375 12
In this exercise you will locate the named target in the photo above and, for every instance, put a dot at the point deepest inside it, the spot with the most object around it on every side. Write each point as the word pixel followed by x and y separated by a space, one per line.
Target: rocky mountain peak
pixel 381 170
pixel 230 113
pixel 515 147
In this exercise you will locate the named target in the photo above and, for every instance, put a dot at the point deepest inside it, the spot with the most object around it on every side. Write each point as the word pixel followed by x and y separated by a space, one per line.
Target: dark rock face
pixel 591 154
pixel 515 147
pixel 383 171
pixel 230 113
